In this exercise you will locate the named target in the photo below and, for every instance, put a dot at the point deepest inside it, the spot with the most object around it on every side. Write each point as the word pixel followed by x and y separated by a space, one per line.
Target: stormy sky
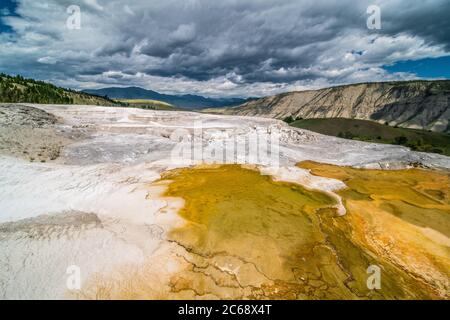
pixel 224 48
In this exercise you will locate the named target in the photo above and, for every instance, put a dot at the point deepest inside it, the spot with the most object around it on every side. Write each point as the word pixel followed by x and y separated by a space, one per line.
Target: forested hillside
pixel 19 89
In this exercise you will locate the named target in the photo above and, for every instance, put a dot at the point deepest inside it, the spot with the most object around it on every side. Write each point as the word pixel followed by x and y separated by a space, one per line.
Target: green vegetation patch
pixel 148 104
pixel 364 130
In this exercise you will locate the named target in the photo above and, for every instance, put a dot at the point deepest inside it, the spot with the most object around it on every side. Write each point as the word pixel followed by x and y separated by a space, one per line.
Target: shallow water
pixel 247 236
pixel 401 217
pixel 231 211
pixel 291 238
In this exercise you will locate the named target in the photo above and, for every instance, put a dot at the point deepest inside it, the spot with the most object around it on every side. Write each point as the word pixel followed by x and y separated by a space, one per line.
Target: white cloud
pixel 47 60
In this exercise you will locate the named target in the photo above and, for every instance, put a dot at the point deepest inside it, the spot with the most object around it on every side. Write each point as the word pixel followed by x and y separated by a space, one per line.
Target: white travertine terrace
pixel 105 179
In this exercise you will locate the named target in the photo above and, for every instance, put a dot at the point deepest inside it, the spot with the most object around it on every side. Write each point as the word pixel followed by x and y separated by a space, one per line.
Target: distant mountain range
pixel 188 101
pixel 408 104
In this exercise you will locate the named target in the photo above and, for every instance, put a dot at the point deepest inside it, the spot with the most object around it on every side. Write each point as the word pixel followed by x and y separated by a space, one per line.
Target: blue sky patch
pixel 423 68
pixel 7 8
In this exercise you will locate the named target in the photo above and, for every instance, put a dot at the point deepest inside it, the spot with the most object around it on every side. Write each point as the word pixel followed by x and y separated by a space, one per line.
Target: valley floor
pixel 118 193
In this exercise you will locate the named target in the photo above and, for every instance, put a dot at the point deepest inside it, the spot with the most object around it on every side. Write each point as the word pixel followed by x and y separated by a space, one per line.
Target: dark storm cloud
pixel 199 44
pixel 246 39
pixel 426 19
pixel 257 38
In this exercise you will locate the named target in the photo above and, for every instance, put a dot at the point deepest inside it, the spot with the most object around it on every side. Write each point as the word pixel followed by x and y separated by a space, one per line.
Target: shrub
pixel 348 135
pixel 401 140
pixel 289 119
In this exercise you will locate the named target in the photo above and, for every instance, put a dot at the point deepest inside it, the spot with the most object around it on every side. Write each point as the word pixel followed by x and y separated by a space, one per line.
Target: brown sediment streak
pixel 399 216
pixel 247 236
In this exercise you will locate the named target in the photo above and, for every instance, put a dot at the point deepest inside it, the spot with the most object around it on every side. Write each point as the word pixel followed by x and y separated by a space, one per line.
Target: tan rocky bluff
pixel 412 104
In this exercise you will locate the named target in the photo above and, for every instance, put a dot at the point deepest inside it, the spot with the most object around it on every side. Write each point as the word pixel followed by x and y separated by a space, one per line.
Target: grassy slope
pixel 365 130
pixel 16 89
pixel 20 90
pixel 148 104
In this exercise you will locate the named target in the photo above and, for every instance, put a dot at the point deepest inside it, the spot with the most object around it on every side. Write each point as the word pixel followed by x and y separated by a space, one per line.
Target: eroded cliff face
pixel 414 104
